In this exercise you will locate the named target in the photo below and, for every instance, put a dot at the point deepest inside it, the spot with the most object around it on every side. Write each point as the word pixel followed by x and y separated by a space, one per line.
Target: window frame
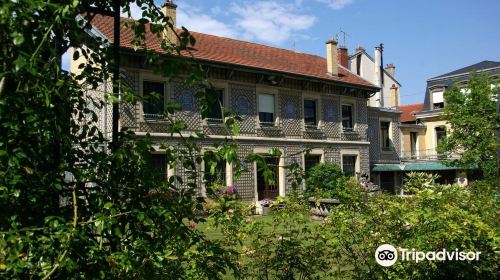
pixel 357 163
pixel 353 117
pixel 434 91
pixel 275 117
pixel 157 81
pixel 220 118
pixel 389 135
pixel 316 112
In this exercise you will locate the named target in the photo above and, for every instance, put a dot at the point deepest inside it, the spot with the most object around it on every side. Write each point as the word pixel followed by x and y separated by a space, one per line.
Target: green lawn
pixel 215 234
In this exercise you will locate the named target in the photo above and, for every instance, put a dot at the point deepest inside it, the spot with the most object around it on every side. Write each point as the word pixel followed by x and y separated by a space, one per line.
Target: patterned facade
pixel 289 133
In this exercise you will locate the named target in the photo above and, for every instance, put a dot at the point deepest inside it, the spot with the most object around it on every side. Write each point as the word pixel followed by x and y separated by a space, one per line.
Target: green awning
pixel 386 167
pixel 427 166
pixel 412 166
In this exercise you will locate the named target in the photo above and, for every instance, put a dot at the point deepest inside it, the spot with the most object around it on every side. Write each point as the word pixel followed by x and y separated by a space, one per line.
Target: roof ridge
pixel 215 48
pixel 255 43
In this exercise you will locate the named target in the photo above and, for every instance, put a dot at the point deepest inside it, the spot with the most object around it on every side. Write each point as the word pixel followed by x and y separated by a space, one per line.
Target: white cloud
pixel 270 21
pixel 195 20
pixel 336 4
pixel 135 12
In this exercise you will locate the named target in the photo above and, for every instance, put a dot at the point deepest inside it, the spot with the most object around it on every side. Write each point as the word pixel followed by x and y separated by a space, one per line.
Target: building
pixel 422 125
pixel 287 100
pixel 364 65
pixel 383 116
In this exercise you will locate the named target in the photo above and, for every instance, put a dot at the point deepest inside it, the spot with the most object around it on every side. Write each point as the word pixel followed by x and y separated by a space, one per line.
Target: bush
pixel 286 246
pixel 415 181
pixel 325 180
pixel 436 217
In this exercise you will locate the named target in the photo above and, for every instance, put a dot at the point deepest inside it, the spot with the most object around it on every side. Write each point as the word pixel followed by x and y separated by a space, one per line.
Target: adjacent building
pixel 423 126
pixel 383 116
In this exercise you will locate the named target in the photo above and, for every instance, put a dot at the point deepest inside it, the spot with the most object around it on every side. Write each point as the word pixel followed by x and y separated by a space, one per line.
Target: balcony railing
pixel 428 154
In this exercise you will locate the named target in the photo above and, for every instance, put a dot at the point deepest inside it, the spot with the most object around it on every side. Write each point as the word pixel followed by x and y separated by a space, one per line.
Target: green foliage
pixel 114 217
pixel 289 247
pixel 415 181
pixel 471 112
pixel 434 218
pixel 326 180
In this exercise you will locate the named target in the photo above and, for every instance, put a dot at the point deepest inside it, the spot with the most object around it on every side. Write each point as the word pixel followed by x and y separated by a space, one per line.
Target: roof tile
pixel 409 112
pixel 212 48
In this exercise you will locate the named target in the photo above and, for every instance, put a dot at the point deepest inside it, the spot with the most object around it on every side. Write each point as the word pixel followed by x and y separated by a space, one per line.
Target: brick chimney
pixel 391 69
pixel 332 57
pixel 169 10
pixel 343 56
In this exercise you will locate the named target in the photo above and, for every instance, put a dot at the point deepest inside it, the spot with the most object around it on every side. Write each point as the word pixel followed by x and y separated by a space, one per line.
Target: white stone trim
pixel 281 171
pixel 351 152
pixel 282 140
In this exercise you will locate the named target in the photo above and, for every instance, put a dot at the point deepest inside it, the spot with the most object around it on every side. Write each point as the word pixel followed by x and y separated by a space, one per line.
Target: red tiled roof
pixel 409 111
pixel 230 51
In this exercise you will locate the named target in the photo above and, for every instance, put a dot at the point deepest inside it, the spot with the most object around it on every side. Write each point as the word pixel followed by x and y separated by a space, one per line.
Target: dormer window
pixel 437 100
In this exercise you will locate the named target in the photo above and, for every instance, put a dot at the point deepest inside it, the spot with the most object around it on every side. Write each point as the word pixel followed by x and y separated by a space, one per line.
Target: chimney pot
pixel 391 69
pixel 332 57
pixel 169 10
pixel 343 56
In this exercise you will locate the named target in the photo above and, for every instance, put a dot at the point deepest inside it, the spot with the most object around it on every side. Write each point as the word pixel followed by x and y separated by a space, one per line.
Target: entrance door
pixel 387 181
pixel 268 188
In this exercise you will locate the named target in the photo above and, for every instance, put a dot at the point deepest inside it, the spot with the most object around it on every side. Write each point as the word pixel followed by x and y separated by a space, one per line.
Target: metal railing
pixel 427 154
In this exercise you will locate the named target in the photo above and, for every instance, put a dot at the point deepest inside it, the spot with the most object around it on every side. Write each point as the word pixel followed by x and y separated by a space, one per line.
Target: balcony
pixel 428 154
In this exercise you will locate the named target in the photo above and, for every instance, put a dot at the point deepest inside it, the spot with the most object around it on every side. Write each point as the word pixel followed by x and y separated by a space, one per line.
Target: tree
pixel 70 209
pixel 471 112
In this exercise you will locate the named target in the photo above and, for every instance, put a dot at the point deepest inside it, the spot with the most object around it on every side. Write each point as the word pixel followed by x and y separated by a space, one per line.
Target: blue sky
pixel 422 38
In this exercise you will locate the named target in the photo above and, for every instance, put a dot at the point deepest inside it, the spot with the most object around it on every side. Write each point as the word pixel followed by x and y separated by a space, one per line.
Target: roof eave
pixel 266 71
pixel 437 78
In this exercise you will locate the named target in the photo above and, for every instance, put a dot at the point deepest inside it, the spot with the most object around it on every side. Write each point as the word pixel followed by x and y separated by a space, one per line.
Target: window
pixel 310 112
pixel 440 134
pixel 159 164
pixel 153 94
pixel 266 109
pixel 385 135
pixel 214 113
pixel 219 175
pixel 349 165
pixel 413 144
pixel 310 161
pixel 437 100
pixel 347 119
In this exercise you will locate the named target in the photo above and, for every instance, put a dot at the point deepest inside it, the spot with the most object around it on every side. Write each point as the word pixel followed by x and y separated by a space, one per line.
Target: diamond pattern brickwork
pixel 246 182
pixel 129 112
pixel 290 112
pixel 361 118
pixel 244 104
pixel 190 109
pixel 292 154
pixel 373 137
pixel 331 116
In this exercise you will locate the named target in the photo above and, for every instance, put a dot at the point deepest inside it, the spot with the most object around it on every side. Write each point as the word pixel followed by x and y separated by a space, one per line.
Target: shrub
pixel 325 180
pixel 436 217
pixel 287 246
pixel 415 181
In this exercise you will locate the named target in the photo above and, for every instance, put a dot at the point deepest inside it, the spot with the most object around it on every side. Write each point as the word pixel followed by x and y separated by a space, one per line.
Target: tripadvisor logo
pixel 386 255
